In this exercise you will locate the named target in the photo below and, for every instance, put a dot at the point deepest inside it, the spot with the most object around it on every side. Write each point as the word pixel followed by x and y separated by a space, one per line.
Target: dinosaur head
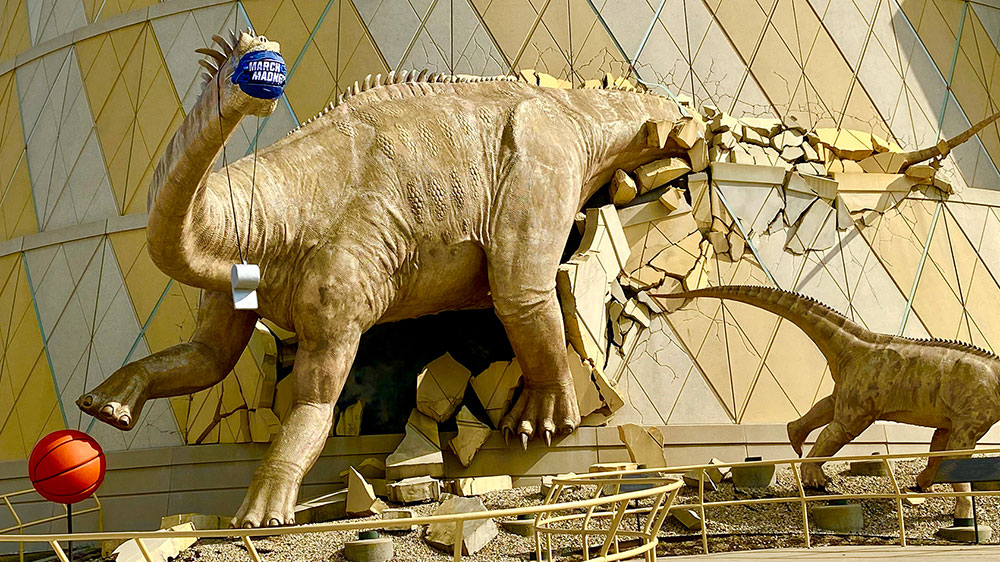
pixel 245 72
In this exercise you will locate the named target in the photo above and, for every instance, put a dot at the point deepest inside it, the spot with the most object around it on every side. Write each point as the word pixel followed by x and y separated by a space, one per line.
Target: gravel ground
pixel 730 528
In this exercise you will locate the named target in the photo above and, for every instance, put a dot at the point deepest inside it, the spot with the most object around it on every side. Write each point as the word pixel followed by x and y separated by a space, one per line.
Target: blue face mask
pixel 261 74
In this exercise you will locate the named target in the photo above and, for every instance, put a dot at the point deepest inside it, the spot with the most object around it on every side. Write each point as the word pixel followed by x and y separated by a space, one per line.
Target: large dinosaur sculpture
pixel 417 194
pixel 948 385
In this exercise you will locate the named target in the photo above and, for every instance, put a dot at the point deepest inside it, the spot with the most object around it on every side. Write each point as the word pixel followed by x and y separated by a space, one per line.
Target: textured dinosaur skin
pixel 416 195
pixel 948 385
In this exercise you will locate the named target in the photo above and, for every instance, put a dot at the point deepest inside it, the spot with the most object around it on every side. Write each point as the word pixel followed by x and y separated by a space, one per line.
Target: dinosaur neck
pixel 831 331
pixel 190 226
pixel 614 126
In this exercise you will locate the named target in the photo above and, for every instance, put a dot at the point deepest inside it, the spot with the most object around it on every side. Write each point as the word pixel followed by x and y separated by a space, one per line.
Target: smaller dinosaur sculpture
pixel 951 386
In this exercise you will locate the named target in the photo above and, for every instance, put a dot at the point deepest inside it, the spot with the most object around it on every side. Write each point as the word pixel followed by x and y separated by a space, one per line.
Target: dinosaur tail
pixel 919 156
pixel 827 328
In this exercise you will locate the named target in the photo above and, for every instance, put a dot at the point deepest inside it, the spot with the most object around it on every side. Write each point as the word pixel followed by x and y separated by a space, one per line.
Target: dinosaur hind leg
pixel 938 443
pixel 819 415
pixel 965 434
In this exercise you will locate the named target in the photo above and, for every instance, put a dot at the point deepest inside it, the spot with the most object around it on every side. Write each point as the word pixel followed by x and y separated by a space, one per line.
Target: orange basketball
pixel 66 466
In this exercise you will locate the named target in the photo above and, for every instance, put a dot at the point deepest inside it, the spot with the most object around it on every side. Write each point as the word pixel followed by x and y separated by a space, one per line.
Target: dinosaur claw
pixel 524 441
pixel 548 438
pixel 506 435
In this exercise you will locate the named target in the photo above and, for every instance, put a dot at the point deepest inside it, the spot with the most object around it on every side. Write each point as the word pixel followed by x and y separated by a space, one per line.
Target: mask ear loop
pixel 225 163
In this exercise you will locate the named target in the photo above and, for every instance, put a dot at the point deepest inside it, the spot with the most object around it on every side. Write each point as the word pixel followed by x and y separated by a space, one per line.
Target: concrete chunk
pixel 415 490
pixel 476 533
pixel 644 444
pixel 479 485
pixel 361 500
pixel 622 188
pixel 160 550
pixel 419 453
pixel 349 421
pixel 472 433
pixel 660 172
pixel 441 388
pixel 495 388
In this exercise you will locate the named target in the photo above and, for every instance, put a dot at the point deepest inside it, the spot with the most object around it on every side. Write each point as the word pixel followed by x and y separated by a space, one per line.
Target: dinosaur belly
pixel 439 278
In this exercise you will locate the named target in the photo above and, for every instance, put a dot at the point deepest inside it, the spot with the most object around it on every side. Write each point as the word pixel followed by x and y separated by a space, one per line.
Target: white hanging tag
pixel 245 279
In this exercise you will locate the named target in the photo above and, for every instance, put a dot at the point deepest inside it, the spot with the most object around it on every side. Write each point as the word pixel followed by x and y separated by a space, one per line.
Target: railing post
pixel 20 528
pixel 899 501
pixel 802 501
pixel 701 510
pixel 459 539
pixel 59 551
pixel 251 549
pixel 613 528
pixel 142 548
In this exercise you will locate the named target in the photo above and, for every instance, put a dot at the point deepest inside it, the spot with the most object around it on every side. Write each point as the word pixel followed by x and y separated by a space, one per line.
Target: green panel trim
pixel 45 343
pixel 951 72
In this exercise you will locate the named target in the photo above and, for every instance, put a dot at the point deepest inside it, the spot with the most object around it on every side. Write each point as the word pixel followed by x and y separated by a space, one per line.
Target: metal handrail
pixel 20 525
pixel 660 485
pixel 670 487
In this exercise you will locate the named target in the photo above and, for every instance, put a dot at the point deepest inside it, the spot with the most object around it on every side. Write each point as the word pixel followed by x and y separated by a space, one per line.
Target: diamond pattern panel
pixel 99 10
pixel 52 18
pixel 29 407
pixel 14 31
pixel 124 69
pixel 17 212
pixel 68 178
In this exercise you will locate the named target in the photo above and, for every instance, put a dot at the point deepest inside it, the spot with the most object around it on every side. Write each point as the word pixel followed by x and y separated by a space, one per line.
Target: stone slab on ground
pixel 871 553
pixel 479 485
pixel 476 533
pixel 397 514
pixel 522 527
pixel 419 453
pixel 868 468
pixel 415 490
pixel 753 476
pixel 471 435
pixel 369 550
pixel 323 508
pixel 688 517
pixel 200 521
pixel 160 550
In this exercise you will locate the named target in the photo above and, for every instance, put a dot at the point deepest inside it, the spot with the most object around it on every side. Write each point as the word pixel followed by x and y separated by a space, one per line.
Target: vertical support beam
pixel 899 501
pixel 701 510
pixel 458 536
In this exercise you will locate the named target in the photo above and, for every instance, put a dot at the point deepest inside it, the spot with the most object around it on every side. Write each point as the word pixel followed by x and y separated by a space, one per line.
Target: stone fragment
pixel 398 515
pixel 529 75
pixel 660 172
pixel 811 168
pixel 673 200
pixel 701 201
pixel 710 111
pixel 737 245
pixel 369 468
pixel 327 507
pixel 472 433
pixel 700 276
pixel 786 139
pixel 592 85
pixel 658 132
pixel 688 132
pixel 688 517
pixel 495 388
pixel 920 171
pixel 874 182
pixel 419 453
pixel 160 550
pixel 792 153
pixel 588 398
pixel 622 188
pixel 361 500
pixel 698 155
pixel 264 425
pixel 349 421
pixel 549 81
pixel 847 144
pixel 644 444
pixel 415 490
pixel 479 485
pixel 720 241
pixel 883 163
pixel 826 188
pixel 836 166
pixel 635 311
pixel 677 260
pixel 816 230
pixel 646 278
pixel 765 126
pixel 724 122
pixel 441 388
pixel 726 140
pixel 605 237
pixel 810 153
pixel 581 285
pixel 476 533
pixel 713 476
pixel 200 521
pixel 369 550
pixel 669 286
pixel 750 135
pixel 843 518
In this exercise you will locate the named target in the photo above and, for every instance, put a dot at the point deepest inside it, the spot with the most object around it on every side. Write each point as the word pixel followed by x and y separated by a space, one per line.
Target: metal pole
pixel 975 521
pixel 69 528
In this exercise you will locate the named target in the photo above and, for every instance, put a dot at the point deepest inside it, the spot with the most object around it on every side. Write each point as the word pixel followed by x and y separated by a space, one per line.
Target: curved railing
pixel 20 525
pixel 617 490
pixel 664 490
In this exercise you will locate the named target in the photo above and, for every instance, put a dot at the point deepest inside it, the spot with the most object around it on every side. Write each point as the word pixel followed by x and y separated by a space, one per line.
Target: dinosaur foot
pixel 796 436
pixel 813 476
pixel 118 400
pixel 542 412
pixel 270 502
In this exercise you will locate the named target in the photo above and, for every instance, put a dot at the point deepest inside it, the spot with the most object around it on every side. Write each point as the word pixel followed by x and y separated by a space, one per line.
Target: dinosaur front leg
pixel 219 338
pixel 833 437
pixel 964 434
pixel 819 415
pixel 319 374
